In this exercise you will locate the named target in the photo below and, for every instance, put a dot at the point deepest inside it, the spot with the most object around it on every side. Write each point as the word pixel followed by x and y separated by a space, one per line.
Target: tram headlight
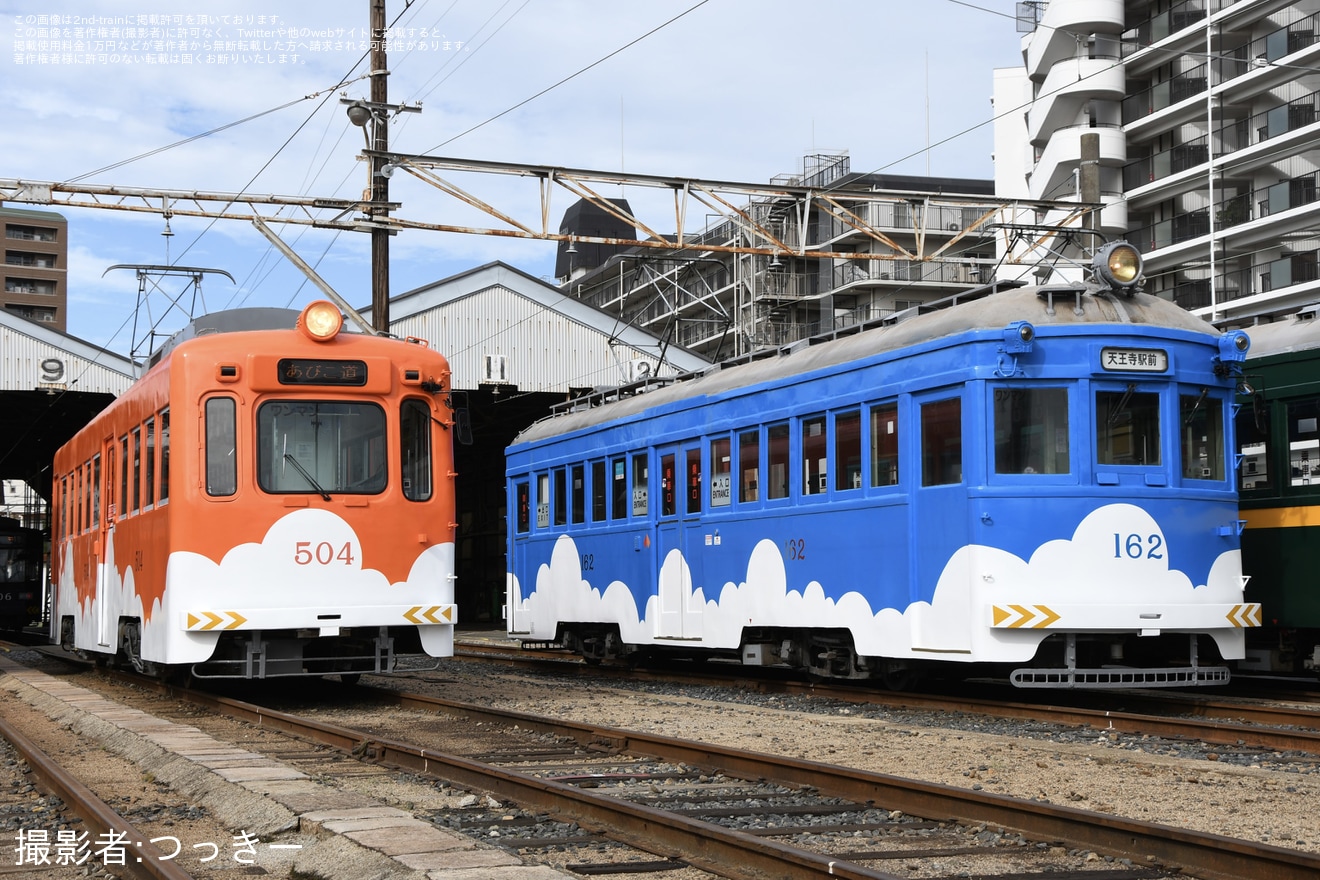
pixel 1018 337
pixel 1117 264
pixel 321 320
pixel 1233 346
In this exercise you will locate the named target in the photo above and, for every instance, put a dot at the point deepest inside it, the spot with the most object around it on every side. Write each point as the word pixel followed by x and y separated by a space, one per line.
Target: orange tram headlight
pixel 320 321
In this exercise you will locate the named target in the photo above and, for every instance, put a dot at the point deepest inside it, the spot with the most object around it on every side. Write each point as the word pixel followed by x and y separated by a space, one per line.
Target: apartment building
pixel 917 239
pixel 1205 116
pixel 36 265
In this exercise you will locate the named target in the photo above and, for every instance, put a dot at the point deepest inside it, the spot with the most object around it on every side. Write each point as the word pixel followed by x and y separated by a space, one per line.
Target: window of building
pixel 1201 419
pixel 1031 431
pixel 1127 427
pixel 941 442
pixel 221 447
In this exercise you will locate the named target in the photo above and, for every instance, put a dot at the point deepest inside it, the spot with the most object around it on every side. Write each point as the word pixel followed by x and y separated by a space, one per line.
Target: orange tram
pixel 274 497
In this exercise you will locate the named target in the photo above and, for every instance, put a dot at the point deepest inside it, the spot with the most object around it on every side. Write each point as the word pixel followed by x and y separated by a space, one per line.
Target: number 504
pixel 323 553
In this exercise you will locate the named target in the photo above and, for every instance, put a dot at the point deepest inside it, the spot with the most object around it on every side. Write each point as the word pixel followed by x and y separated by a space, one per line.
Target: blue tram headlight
pixel 1018 337
pixel 1117 265
pixel 1233 346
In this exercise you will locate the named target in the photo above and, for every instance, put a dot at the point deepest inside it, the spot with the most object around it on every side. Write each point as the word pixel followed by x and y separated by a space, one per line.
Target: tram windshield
pixel 321 447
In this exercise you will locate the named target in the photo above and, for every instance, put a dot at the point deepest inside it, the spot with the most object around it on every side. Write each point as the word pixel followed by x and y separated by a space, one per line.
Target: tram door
pixel 104 510
pixel 939 519
pixel 680 543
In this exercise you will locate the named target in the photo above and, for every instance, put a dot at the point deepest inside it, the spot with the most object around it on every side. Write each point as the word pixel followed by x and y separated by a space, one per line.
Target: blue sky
pixel 728 90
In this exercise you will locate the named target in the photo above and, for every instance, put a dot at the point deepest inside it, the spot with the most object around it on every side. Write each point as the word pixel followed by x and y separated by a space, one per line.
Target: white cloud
pixel 1081 579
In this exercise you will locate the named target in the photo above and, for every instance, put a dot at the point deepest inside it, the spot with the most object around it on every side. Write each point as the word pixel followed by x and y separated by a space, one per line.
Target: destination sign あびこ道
pixel 1140 360
pixel 302 371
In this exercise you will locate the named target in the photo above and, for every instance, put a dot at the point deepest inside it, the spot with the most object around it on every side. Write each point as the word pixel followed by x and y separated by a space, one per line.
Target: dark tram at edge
pixel 1035 483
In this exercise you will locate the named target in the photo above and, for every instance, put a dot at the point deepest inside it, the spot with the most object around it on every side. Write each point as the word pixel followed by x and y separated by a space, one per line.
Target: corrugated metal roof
pixel 498 324
pixel 35 357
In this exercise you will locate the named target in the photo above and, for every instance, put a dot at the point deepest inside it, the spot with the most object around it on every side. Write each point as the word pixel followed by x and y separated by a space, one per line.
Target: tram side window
pixel 149 473
pixel 221 447
pixel 777 447
pixel 694 480
pixel 1304 442
pixel 1253 435
pixel 640 481
pixel 523 491
pixel 123 476
pixel 599 491
pixel 64 507
pixel 135 488
pixel 559 495
pixel 815 464
pixel 87 495
pixel 579 479
pixel 668 507
pixel 1031 431
pixel 749 466
pixel 1202 436
pixel 848 450
pixel 542 501
pixel 618 488
pixel 96 491
pixel 941 442
pixel 884 445
pixel 164 455
pixel 111 503
pixel 1127 425
pixel 414 452
pixel 721 465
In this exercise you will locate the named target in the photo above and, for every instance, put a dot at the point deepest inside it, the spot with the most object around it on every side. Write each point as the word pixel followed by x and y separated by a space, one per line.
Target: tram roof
pixel 1297 332
pixel 989 308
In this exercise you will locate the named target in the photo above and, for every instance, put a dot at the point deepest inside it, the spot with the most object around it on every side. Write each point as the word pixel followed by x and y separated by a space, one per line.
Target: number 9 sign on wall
pixel 51 373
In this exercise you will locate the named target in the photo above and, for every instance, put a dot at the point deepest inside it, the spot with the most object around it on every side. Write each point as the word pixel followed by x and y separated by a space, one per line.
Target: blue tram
pixel 1032 482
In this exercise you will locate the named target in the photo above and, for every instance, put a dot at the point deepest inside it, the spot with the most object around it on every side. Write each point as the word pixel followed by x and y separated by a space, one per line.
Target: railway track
pixel 1239 724
pixel 696 800
pixel 47 852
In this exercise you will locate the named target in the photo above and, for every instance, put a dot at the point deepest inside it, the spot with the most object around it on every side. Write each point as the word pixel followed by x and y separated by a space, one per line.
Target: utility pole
pixel 380 184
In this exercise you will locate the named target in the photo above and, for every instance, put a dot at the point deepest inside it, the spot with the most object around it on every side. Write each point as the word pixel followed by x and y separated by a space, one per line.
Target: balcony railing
pixel 1285 41
pixel 1160 25
pixel 1250 280
pixel 1229 212
pixel 1229 138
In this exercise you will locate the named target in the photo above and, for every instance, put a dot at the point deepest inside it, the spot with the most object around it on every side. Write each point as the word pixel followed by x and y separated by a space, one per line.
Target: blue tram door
pixel 940 524
pixel 681 542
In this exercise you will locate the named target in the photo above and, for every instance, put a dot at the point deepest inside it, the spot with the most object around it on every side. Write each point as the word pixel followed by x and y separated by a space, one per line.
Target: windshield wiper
pixel 302 470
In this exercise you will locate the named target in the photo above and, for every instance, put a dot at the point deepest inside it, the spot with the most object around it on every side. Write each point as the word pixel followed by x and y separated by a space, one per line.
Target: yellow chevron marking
pixel 1023 616
pixel 1245 615
pixel 239 620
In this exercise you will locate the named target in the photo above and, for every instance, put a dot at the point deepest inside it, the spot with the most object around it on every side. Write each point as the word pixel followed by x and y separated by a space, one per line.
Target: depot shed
pixel 516 345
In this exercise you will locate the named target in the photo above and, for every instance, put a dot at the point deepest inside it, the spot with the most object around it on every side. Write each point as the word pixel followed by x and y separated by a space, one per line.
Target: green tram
pixel 1278 432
